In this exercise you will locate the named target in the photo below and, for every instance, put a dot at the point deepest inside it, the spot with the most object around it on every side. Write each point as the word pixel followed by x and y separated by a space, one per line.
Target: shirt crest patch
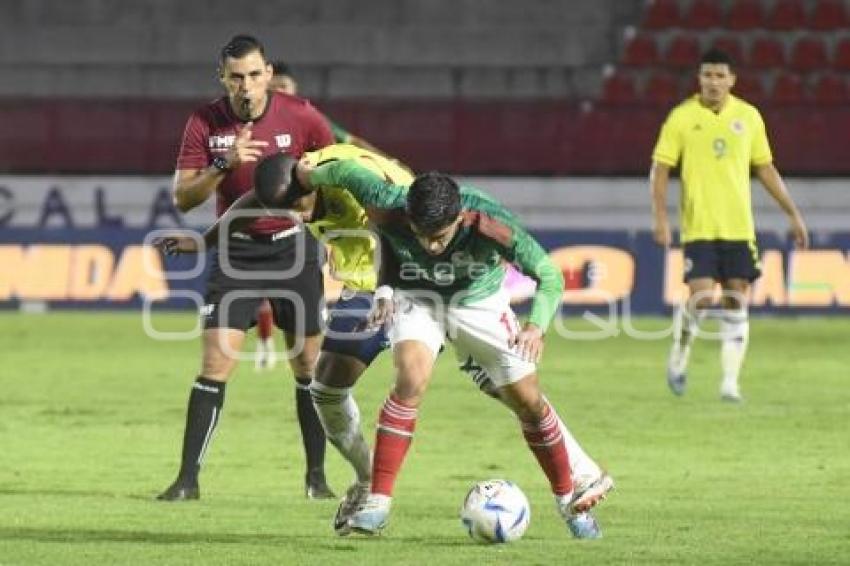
pixel 737 127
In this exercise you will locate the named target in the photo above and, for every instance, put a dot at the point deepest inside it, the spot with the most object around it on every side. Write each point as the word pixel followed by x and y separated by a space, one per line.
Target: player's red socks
pixel 265 321
pixel 395 433
pixel 547 443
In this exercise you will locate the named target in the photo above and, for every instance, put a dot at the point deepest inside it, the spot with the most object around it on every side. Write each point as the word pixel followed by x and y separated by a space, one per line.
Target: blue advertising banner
pixel 116 268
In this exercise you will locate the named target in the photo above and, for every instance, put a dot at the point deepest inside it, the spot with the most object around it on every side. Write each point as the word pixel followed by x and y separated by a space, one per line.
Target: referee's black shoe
pixel 316 486
pixel 179 491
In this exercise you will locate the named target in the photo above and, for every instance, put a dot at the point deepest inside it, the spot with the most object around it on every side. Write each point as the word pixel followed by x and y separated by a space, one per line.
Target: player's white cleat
pixel 355 497
pixel 590 492
pixel 729 392
pixel 371 517
pixel 575 507
pixel 677 368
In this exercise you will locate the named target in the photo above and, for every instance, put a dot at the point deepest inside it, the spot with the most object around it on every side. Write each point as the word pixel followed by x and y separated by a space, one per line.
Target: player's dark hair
pixel 716 56
pixel 281 68
pixel 433 201
pixel 275 182
pixel 240 46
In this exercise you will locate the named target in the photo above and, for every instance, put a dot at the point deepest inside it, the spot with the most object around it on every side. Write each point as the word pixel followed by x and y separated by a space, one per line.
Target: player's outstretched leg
pixel 585 472
pixel 202 416
pixel 589 480
pixel 542 430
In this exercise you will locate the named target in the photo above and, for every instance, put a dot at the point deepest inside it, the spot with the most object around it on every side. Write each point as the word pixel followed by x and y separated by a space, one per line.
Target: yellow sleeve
pixel 668 148
pixel 760 152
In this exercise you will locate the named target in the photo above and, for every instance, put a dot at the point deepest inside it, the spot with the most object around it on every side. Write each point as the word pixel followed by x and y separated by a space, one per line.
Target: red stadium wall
pixel 471 137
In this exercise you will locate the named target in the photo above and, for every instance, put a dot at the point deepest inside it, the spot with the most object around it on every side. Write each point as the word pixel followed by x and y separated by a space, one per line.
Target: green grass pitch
pixel 91 419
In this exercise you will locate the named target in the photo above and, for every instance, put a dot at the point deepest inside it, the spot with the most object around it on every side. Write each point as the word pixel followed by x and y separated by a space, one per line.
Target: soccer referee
pixel 716 138
pixel 222 142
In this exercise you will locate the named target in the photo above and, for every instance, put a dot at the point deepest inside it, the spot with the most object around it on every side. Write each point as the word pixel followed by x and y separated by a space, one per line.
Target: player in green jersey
pixel 451 244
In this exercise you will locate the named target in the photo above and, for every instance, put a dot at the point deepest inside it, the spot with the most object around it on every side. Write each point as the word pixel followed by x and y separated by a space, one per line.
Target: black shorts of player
pixel 343 335
pixel 293 283
pixel 722 260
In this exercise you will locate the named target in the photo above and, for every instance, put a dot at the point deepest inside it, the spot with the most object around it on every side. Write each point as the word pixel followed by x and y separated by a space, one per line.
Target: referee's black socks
pixel 202 416
pixel 312 433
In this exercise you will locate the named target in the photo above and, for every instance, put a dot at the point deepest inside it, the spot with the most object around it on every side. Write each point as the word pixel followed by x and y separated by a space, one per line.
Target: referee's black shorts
pixel 285 268
pixel 722 260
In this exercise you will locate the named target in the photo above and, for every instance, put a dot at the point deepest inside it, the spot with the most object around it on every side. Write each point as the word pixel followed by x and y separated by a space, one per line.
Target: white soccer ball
pixel 495 511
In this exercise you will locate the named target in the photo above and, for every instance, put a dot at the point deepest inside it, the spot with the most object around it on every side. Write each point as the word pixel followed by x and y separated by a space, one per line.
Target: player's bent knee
pixel 410 389
pixel 524 398
pixel 338 370
pixel 305 353
pixel 218 369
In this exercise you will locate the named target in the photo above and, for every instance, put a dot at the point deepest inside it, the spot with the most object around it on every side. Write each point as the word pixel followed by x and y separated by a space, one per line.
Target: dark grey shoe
pixel 316 486
pixel 179 491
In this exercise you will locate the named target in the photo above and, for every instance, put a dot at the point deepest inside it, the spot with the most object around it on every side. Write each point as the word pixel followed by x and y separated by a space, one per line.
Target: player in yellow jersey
pixel 716 139
pixel 283 81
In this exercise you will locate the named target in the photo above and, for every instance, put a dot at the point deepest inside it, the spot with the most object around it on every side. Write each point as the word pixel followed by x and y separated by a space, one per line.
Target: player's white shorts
pixel 481 330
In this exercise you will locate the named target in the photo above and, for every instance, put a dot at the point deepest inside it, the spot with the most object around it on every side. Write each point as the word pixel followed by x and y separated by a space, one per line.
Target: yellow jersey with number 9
pixel 341 223
pixel 716 151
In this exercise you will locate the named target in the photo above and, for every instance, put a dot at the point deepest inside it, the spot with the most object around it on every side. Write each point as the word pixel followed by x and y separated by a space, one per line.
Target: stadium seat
pixel 661 14
pixel 828 15
pixel 745 15
pixel 787 89
pixel 809 54
pixel 703 15
pixel 830 89
pixel 767 52
pixel 787 15
pixel 749 87
pixel 641 51
pixel 683 52
pixel 662 89
pixel 842 55
pixel 690 86
pixel 731 45
pixel 619 88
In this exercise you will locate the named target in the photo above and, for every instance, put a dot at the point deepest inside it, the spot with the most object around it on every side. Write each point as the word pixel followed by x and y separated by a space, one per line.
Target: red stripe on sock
pixel 391 447
pixel 547 443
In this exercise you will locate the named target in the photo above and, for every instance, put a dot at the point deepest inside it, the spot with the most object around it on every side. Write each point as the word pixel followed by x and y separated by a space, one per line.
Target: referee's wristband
pixel 384 292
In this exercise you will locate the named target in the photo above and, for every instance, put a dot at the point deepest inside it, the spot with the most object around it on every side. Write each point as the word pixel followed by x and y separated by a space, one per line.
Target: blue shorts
pixel 722 260
pixel 342 336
